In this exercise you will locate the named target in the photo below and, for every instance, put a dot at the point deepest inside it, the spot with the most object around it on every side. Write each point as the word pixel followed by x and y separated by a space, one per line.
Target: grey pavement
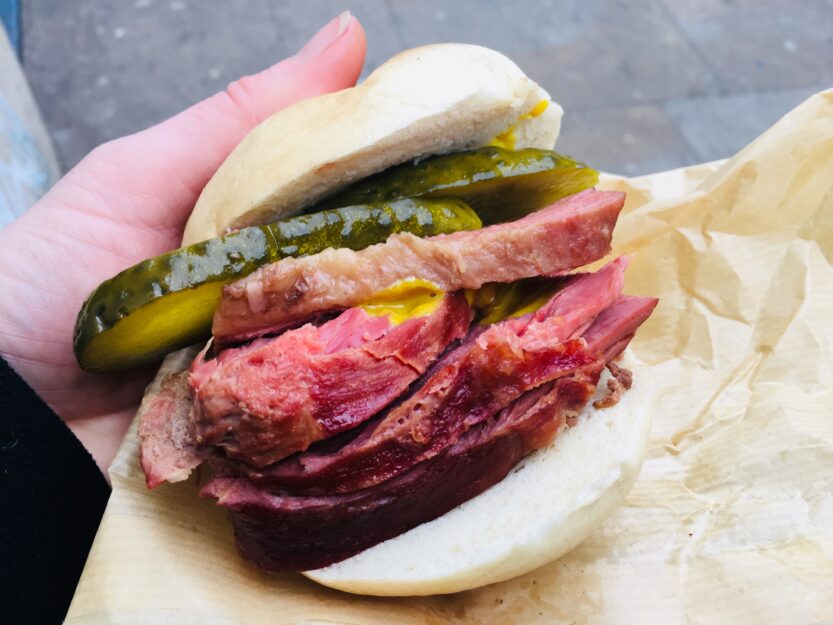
pixel 646 85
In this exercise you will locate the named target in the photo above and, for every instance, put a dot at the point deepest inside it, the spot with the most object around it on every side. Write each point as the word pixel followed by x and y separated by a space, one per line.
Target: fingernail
pixel 325 37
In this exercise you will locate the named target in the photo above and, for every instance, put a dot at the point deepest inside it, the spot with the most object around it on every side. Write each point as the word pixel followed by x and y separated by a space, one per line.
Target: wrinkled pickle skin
pixel 112 333
pixel 499 184
pixel 495 302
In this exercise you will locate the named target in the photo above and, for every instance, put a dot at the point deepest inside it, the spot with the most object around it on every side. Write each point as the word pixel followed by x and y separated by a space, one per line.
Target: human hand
pixel 126 201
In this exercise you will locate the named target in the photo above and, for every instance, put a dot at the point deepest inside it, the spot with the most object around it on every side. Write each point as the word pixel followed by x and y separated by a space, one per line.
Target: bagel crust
pixel 430 100
pixel 547 505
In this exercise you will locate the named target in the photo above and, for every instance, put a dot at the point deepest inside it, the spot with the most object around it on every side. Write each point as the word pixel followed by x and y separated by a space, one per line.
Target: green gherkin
pixel 499 184
pixel 495 302
pixel 168 302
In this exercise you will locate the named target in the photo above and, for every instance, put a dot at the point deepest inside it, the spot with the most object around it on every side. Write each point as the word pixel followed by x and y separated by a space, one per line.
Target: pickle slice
pixel 500 184
pixel 496 301
pixel 168 302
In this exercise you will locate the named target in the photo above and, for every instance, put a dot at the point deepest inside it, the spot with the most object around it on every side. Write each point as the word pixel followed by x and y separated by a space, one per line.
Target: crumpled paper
pixel 731 520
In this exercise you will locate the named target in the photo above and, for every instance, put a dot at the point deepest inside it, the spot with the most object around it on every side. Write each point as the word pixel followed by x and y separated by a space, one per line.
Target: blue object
pixel 10 15
pixel 24 170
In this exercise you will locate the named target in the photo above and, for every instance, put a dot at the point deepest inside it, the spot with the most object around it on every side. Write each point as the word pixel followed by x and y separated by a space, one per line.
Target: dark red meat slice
pixel 477 380
pixel 286 533
pixel 275 397
pixel 571 233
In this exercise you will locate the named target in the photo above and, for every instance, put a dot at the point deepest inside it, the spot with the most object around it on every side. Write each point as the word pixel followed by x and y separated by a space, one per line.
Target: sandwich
pixel 383 349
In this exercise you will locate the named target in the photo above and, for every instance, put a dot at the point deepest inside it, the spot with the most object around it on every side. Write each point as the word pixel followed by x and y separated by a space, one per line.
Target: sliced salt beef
pixel 570 233
pixel 284 532
pixel 167 452
pixel 480 378
pixel 274 397
pixel 623 318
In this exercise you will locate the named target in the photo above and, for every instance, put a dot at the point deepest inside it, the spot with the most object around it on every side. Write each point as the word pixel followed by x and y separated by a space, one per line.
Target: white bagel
pixel 430 100
pixel 546 506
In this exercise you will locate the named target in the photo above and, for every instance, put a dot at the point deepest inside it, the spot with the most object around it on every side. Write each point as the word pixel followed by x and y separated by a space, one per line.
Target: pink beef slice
pixel 280 531
pixel 476 380
pixel 167 451
pixel 570 233
pixel 622 319
pixel 275 397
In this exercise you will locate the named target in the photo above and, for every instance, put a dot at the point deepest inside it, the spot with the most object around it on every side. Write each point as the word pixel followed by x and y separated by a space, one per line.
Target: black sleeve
pixel 52 496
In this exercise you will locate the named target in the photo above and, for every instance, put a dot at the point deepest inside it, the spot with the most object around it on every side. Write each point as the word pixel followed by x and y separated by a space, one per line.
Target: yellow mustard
pixel 414 297
pixel 507 138
pixel 405 299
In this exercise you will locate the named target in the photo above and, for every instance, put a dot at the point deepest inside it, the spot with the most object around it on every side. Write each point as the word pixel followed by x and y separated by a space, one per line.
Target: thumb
pixel 178 156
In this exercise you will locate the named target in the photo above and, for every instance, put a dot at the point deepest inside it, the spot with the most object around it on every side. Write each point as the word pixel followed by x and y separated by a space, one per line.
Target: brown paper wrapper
pixel 731 520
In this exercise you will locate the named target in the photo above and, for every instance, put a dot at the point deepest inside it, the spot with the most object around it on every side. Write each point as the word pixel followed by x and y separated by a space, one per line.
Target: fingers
pixel 175 158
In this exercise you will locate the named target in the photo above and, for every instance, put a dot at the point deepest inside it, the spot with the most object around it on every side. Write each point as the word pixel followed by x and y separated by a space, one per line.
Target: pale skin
pixel 126 201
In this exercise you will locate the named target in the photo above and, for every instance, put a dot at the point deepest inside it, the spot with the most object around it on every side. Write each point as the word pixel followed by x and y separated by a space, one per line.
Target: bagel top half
pixel 430 100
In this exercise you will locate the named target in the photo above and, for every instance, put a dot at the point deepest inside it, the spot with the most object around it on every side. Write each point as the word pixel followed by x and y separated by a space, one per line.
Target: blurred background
pixel 647 85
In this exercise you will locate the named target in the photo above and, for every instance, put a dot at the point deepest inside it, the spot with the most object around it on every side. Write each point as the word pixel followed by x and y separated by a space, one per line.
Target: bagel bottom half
pixel 546 506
